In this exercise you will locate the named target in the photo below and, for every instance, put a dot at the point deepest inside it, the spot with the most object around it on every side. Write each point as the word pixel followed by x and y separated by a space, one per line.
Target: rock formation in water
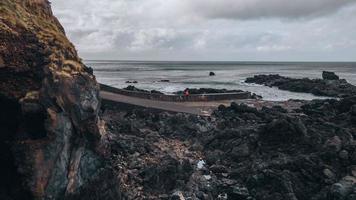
pixel 330 85
pixel 330 76
pixel 52 140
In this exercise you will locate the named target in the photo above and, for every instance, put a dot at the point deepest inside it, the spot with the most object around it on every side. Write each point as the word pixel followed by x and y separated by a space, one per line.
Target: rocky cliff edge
pixel 52 140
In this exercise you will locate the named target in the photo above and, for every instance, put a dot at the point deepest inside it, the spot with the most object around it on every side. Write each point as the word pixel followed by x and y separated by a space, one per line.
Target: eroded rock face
pixel 52 101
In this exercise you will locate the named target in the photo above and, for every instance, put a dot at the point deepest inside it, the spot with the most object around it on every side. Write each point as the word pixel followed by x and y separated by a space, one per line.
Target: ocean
pixel 229 75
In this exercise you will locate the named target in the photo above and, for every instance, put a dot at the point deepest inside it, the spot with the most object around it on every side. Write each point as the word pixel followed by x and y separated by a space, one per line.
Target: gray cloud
pixel 210 29
pixel 252 9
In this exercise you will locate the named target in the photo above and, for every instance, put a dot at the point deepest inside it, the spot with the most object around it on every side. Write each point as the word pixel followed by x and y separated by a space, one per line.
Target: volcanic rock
pixel 330 76
pixel 320 87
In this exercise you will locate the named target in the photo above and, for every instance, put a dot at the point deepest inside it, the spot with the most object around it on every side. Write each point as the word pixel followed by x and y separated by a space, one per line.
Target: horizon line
pixel 250 61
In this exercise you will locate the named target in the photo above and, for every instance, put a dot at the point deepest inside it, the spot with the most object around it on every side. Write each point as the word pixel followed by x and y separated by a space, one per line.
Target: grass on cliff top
pixel 30 15
pixel 20 15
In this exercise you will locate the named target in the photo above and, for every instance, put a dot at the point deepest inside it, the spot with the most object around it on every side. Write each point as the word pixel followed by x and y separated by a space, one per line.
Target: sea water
pixel 229 75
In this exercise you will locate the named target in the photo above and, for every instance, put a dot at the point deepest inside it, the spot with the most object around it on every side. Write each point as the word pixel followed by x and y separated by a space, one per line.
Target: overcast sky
pixel 234 30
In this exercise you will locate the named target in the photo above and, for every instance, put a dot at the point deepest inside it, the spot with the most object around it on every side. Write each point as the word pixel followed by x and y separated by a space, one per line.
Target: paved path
pixel 197 108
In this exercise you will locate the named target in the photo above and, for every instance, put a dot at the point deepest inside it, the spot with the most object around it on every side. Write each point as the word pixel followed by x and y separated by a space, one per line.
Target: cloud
pixel 252 9
pixel 210 29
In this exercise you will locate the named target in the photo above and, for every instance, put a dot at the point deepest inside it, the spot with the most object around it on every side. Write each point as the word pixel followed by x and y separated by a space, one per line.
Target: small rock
pixel 334 144
pixel 240 151
pixel 202 128
pixel 200 164
pixel 131 82
pixel 343 188
pixel 177 196
pixel 240 192
pixel 222 196
pixel 221 107
pixel 212 74
pixel 353 170
pixel 218 169
pixel 329 175
pixel 207 177
pixel 201 195
pixel 344 155
pixel 330 76
pixel 214 156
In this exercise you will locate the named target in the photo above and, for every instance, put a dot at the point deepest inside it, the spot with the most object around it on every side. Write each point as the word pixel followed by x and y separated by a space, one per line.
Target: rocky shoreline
pixel 329 86
pixel 238 153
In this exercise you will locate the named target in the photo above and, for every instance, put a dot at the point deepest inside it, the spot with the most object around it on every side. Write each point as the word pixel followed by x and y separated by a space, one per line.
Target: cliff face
pixel 51 135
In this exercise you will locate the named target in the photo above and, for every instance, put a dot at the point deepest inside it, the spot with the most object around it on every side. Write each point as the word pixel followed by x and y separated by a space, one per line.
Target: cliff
pixel 51 136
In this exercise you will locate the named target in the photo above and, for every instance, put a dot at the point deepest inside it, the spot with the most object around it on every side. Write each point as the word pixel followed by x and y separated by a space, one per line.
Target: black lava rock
pixel 330 76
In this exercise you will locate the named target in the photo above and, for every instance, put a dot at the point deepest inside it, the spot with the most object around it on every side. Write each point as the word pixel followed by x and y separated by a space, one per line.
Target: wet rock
pixel 330 76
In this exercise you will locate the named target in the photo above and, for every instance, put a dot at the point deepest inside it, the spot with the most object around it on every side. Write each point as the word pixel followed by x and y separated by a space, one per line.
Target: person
pixel 186 93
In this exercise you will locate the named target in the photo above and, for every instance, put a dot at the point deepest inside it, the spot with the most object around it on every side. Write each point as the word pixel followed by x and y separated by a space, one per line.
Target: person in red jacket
pixel 186 93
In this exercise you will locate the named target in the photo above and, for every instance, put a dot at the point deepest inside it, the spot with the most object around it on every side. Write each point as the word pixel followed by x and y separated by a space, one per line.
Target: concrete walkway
pixel 196 108
pixel 203 108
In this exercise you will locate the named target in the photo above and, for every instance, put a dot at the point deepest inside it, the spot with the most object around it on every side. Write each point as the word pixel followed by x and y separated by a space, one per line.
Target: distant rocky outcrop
pixel 208 91
pixel 329 86
pixel 135 89
pixel 330 76
pixel 52 140
pixel 215 91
